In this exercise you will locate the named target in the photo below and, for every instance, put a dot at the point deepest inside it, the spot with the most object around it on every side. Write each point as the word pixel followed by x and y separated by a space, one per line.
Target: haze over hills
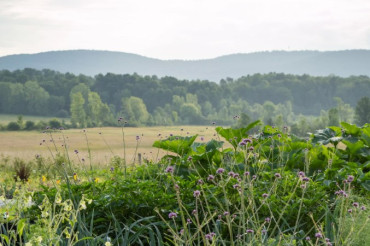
pixel 91 62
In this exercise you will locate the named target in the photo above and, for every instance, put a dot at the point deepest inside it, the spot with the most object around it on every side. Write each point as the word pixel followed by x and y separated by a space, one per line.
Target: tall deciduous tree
pixel 363 111
pixel 78 114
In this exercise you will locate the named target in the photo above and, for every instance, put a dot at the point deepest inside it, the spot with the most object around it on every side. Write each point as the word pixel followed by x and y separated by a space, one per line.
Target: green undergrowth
pixel 268 188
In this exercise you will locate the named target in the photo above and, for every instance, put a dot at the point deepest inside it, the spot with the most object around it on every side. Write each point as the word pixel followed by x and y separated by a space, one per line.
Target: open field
pixel 27 144
pixel 6 118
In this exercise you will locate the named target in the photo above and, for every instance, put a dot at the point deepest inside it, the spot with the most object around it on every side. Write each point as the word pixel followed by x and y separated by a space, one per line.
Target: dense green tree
pixel 363 111
pixel 78 114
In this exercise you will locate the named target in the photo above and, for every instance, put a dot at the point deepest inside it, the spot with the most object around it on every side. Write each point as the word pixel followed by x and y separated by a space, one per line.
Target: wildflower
pixel 200 181
pixel 201 138
pixel 75 176
pixel 172 215
pixel 82 205
pixel 188 221
pixel 210 236
pixel 194 212
pixel 112 169
pixel 268 220
pixel 43 178
pixel 137 138
pixel 210 177
pixel 308 238
pixel 277 175
pixel 181 231
pixel 363 208
pixel 236 186
pixel 226 213
pixel 318 235
pixel 76 151
pixel 220 170
pixel 305 179
pixel 196 193
pixel 250 231
pixel 264 195
pixel 264 231
pixel 108 244
pixel 349 210
pixel 39 239
pixel 44 214
pixel 355 204
pixel 350 178
pixel 190 158
pixel 327 239
pixel 83 159
pixel 246 174
pixel 254 177
pixel 169 169
pixel 231 174
pixel 177 187
pixel 251 148
pixel 96 180
pixel 329 244
pixel 301 174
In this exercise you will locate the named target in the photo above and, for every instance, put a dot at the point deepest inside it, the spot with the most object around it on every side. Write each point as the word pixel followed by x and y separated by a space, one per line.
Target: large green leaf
pixel 176 144
pixel 351 129
pixel 326 136
pixel 234 136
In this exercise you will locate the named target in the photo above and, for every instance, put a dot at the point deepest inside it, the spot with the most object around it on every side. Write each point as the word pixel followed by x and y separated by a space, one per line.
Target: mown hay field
pixel 104 143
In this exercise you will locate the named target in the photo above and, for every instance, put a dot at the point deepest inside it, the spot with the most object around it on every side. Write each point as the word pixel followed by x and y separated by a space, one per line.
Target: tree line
pixel 275 98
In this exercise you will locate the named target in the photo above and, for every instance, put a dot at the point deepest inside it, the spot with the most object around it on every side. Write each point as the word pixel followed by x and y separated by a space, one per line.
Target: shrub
pixel 55 123
pixel 30 125
pixel 13 126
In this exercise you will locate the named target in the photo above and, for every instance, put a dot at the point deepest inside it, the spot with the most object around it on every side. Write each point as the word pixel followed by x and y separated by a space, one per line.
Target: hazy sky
pixel 186 29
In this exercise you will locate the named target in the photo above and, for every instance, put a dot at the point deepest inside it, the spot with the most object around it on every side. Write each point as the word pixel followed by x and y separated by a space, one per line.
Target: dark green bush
pixel 13 126
pixel 30 125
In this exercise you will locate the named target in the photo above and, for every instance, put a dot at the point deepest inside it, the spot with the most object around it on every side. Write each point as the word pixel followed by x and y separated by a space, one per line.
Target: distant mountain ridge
pixel 91 62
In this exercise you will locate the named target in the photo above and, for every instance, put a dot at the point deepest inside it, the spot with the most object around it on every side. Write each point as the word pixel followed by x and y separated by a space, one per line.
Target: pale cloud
pixel 188 29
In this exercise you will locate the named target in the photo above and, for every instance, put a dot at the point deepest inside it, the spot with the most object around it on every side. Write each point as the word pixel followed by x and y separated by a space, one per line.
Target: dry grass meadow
pixel 104 142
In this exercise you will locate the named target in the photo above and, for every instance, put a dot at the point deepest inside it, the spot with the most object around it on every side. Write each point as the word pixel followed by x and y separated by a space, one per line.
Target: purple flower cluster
pixel 210 236
pixel 170 169
pixel 172 215
pixel 196 193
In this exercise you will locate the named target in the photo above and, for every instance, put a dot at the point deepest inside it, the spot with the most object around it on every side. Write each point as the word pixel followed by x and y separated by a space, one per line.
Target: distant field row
pixel 6 118
pixel 28 144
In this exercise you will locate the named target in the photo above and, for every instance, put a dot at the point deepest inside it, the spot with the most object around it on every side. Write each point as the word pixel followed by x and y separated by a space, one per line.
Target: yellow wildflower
pixel 43 178
pixel 58 181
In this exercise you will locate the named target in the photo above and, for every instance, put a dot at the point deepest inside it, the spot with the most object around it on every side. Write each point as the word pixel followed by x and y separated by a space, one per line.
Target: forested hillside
pixel 150 100
pixel 342 63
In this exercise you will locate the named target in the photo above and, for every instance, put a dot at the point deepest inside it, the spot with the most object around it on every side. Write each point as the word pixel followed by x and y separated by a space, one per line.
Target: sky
pixel 186 29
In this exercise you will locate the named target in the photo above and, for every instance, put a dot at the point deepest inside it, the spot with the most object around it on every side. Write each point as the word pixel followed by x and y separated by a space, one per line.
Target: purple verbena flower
pixel 172 215
pixel 350 178
pixel 277 175
pixel 250 231
pixel 264 195
pixel 169 169
pixel 196 193
pixel 220 170
pixel 210 177
pixel 318 235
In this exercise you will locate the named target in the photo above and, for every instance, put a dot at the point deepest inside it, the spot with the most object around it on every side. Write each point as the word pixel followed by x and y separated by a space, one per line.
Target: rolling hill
pixel 91 62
